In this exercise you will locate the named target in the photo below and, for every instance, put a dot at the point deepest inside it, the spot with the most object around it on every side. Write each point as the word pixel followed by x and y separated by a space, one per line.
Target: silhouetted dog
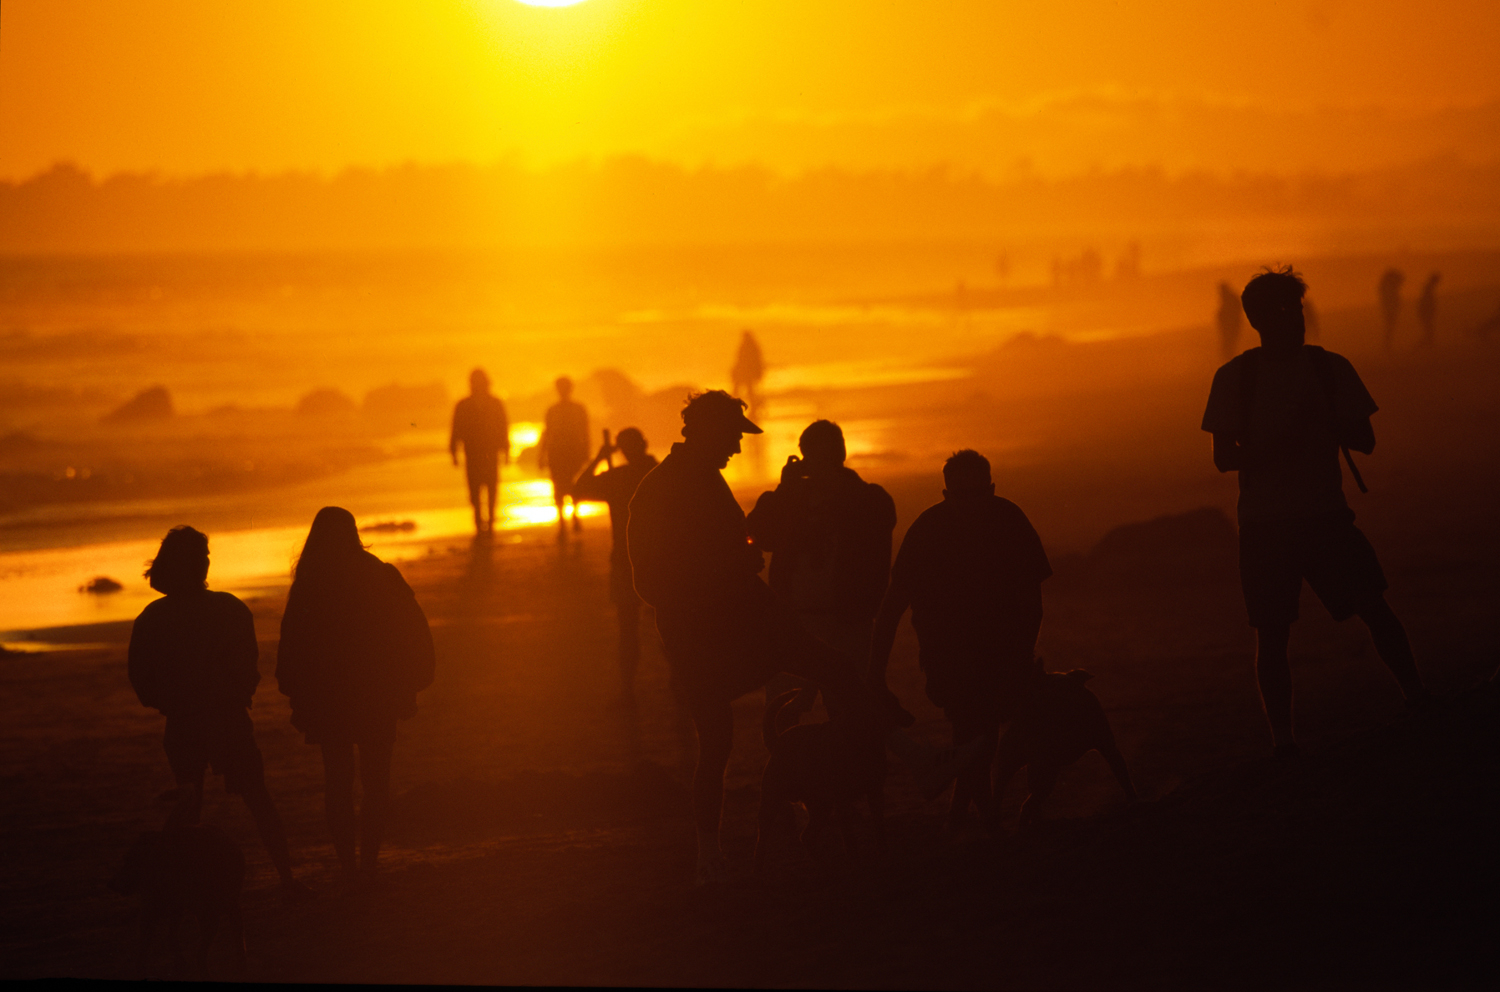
pixel 180 871
pixel 826 767
pixel 1058 722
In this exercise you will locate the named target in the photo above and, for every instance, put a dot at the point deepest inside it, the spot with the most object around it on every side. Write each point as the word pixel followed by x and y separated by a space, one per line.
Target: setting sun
pixel 549 3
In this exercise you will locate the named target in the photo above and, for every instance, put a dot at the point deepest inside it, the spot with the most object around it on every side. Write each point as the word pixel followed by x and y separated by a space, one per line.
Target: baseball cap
pixel 717 407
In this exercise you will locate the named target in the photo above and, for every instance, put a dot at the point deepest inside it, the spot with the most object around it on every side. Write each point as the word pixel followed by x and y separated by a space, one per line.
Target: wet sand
pixel 540 836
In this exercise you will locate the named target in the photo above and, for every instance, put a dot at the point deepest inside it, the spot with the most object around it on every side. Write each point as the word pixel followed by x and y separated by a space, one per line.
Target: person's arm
pixel 888 619
pixel 453 434
pixel 141 663
pixel 504 433
pixel 761 522
pixel 591 488
pixel 1359 436
pixel 1228 455
pixel 245 654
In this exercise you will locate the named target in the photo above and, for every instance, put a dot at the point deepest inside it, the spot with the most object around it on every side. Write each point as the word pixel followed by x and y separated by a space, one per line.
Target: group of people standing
pixel 354 651
pixel 355 648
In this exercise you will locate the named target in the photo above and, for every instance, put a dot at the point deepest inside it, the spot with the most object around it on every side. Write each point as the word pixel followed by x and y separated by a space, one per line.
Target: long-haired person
pixel 355 651
pixel 193 656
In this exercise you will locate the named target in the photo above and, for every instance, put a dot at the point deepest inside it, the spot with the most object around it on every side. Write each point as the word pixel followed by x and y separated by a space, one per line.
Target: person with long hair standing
pixel 355 651
pixel 193 656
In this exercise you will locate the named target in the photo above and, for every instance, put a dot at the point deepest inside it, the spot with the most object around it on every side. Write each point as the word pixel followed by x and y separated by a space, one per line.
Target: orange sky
pixel 188 86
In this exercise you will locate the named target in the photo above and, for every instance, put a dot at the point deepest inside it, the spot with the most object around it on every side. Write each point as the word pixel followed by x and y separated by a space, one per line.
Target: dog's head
pixel 133 873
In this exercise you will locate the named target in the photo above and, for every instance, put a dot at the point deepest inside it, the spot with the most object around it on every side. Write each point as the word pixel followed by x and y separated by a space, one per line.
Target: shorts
pixel 223 740
pixel 483 470
pixel 1332 554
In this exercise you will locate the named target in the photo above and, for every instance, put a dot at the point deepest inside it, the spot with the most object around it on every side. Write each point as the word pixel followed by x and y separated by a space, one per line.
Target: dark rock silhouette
pixel 324 403
pixel 149 404
pixel 1199 547
pixel 101 585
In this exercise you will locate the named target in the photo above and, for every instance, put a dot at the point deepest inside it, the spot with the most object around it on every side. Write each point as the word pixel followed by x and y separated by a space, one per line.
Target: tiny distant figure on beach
pixel 564 449
pixel 971 570
pixel 1427 308
pixel 749 369
pixel 1228 320
pixel 1486 328
pixel 615 486
pixel 1389 288
pixel 481 427
pixel 829 536
pixel 193 656
pixel 355 650
pixel 724 631
pixel 1280 414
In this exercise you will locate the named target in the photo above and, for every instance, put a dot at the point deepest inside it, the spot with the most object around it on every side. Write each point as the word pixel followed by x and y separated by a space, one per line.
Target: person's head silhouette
pixel 479 383
pixel 181 563
pixel 822 446
pixel 966 474
pixel 564 387
pixel 332 542
pixel 1273 304
pixel 632 444
pixel 712 425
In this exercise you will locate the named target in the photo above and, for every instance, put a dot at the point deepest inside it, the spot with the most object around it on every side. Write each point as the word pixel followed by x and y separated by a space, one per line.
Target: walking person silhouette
pixel 615 486
pixel 829 535
pixel 749 369
pixel 564 449
pixel 355 650
pixel 481 427
pixel 724 631
pixel 193 656
pixel 1279 415
pixel 1427 308
pixel 1228 319
pixel 971 570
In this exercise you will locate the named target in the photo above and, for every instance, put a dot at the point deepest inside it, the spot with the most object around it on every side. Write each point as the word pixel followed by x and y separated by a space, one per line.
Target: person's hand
pixel 754 558
pixel 794 468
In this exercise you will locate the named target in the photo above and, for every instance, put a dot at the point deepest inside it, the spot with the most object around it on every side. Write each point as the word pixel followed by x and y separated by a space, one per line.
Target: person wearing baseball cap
pixel 724 631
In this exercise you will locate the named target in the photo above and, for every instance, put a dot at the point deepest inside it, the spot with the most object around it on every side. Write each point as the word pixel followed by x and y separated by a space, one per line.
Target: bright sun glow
pixel 549 3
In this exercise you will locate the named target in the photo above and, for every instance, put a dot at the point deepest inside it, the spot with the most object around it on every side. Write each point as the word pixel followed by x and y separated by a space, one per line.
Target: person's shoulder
pixel 1231 369
pixel 1008 510
pixel 1336 361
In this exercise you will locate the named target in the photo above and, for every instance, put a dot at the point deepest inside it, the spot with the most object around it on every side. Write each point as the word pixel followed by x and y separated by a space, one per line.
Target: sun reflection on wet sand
pixel 39 589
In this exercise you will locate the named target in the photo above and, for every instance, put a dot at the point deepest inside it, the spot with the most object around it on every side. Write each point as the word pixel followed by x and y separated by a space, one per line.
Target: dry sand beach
pixel 543 835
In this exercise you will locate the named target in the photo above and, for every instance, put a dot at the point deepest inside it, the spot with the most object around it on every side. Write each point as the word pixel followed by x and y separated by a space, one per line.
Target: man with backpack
pixel 1280 414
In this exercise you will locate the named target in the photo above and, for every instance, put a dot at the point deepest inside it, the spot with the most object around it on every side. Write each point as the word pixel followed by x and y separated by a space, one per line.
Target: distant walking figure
pixel 615 486
pixel 193 657
pixel 749 369
pixel 565 449
pixel 1228 320
pixel 725 633
pixel 355 651
pixel 481 427
pixel 1427 308
pixel 971 570
pixel 1390 303
pixel 1279 415
pixel 829 535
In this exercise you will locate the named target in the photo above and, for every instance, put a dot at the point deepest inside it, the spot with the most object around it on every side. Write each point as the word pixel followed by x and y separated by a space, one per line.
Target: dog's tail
pixel 768 730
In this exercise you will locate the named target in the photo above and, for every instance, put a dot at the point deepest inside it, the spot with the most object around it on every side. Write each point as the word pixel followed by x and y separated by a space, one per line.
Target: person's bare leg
pixel 1394 648
pixel 375 801
pixel 338 800
pixel 577 520
pixel 494 494
pixel 715 724
pixel 272 832
pixel 1274 674
pixel 474 502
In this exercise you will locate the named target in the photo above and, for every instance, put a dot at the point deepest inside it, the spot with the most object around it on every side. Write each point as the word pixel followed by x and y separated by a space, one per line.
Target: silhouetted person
pixel 1427 308
pixel 1390 303
pixel 1311 320
pixel 829 535
pixel 749 369
pixel 724 631
pixel 616 486
pixel 1279 415
pixel 480 425
pixel 355 651
pixel 565 449
pixel 1487 327
pixel 971 570
pixel 193 656
pixel 1228 319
